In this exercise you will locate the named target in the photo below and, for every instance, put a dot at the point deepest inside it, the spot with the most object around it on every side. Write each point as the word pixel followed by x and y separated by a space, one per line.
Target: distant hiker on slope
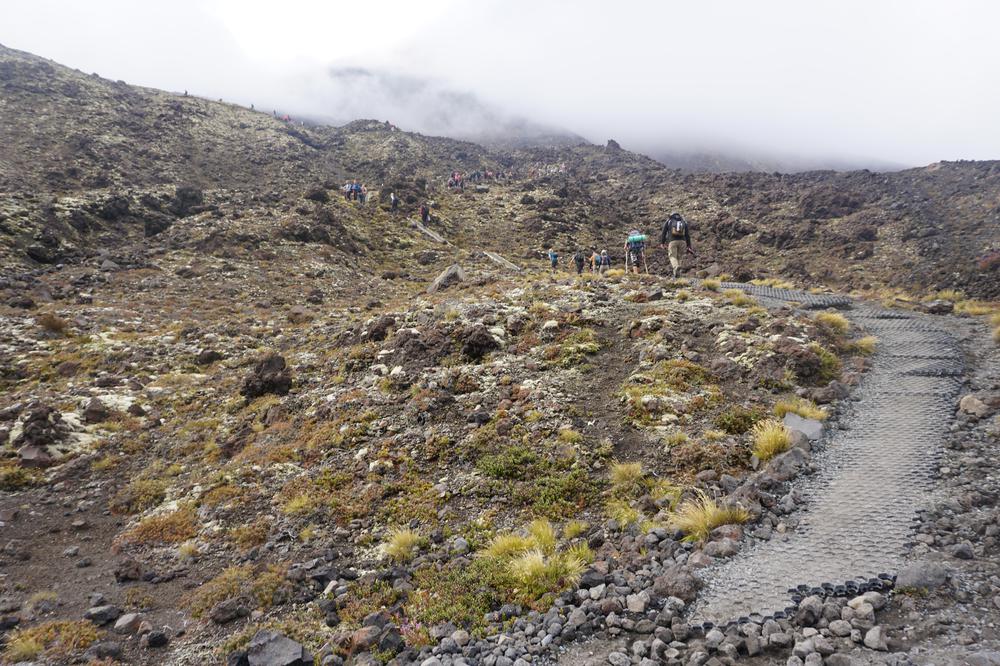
pixel 425 214
pixel 635 250
pixel 553 259
pixel 603 262
pixel 579 259
pixel 393 201
pixel 676 230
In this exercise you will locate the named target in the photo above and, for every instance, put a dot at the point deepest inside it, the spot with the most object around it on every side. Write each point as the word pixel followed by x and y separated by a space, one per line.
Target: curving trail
pixel 875 474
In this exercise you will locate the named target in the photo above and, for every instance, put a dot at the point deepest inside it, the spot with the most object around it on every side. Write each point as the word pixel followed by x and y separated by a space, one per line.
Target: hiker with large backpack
pixel 676 230
pixel 603 262
pixel 579 259
pixel 635 251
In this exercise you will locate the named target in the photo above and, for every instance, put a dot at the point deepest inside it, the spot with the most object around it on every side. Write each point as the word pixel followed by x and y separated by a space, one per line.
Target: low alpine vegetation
pixel 807 409
pixel 626 478
pixel 697 517
pixel 403 544
pixel 834 321
pixel 770 438
pixel 864 346
pixel 711 284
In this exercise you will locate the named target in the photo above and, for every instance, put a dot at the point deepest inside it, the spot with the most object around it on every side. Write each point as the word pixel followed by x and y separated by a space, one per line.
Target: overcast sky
pixel 906 81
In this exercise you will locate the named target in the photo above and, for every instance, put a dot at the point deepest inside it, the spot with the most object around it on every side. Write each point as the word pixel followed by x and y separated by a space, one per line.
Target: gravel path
pixel 876 470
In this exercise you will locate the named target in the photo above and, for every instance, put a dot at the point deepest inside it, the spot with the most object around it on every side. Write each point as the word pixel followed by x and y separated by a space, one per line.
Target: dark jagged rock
pixel 269 375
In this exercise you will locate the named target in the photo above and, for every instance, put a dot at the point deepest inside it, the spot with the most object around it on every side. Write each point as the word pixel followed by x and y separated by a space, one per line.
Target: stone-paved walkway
pixel 875 470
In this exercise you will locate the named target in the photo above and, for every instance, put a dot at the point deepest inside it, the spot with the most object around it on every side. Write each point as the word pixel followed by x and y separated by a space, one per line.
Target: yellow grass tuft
pixel 770 438
pixel 403 544
pixel 807 409
pixel 543 534
pixel 55 640
pixel 507 545
pixel 996 335
pixel 738 298
pixel 622 512
pixel 834 321
pixel 626 478
pixel 538 573
pixel 866 345
pixel 711 284
pixel 699 516
pixel 995 320
pixel 574 528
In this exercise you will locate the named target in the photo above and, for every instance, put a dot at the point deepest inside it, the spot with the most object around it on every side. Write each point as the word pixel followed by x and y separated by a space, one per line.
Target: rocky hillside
pixel 88 165
pixel 245 420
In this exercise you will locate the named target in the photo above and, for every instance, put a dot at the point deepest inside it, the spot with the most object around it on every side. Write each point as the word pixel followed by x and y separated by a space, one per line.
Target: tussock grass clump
pixel 770 438
pixel 713 435
pixel 834 321
pixel 975 308
pixel 626 478
pixel 995 320
pixel 138 496
pixel 539 573
pixel 711 284
pixel 574 528
pixel 829 365
pixel 996 335
pixel 267 587
pixel 738 297
pixel 403 544
pixel 52 323
pixel 865 346
pixel 697 517
pixel 623 513
pixel 164 529
pixel 54 640
pixel 776 283
pixel 682 295
pixel 570 436
pixel 807 409
pixel 15 477
pixel 543 534
pixel 507 545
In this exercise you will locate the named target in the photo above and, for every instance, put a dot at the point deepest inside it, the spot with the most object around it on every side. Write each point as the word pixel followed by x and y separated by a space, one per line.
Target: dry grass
pixel 995 320
pixel 738 298
pixel 834 321
pixel 539 573
pixel 574 528
pixel 167 528
pixel 626 478
pixel 807 409
pixel 623 513
pixel 507 545
pixel 711 284
pixel 699 516
pixel 975 308
pixel 403 544
pixel 543 534
pixel 52 323
pixel 865 346
pixel 55 640
pixel 996 335
pixel 770 438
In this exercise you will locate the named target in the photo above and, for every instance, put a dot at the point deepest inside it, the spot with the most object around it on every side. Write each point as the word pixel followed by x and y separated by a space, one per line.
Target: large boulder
pixel 448 277
pixel 678 581
pixel 811 428
pixel 922 575
pixel 787 465
pixel 269 375
pixel 269 648
pixel 477 342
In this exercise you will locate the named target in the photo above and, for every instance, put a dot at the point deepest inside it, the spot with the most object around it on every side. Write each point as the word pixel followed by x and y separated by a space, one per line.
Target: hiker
pixel 676 229
pixel 635 249
pixel 553 259
pixel 425 214
pixel 603 262
pixel 364 195
pixel 579 259
pixel 595 259
pixel 393 201
pixel 355 190
pixel 347 190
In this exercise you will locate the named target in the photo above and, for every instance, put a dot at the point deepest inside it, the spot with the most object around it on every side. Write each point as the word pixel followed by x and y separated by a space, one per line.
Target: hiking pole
pixel 645 265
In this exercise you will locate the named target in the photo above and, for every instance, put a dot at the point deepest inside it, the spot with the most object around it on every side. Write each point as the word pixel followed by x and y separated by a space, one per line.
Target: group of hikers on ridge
pixel 355 191
pixel 675 235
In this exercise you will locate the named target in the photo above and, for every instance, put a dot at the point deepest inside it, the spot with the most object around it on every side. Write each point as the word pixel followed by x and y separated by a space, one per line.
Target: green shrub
pixel 738 420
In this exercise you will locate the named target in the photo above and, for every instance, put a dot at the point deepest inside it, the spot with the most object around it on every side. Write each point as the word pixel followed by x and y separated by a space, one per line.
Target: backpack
pixel 677 228
pixel 636 241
